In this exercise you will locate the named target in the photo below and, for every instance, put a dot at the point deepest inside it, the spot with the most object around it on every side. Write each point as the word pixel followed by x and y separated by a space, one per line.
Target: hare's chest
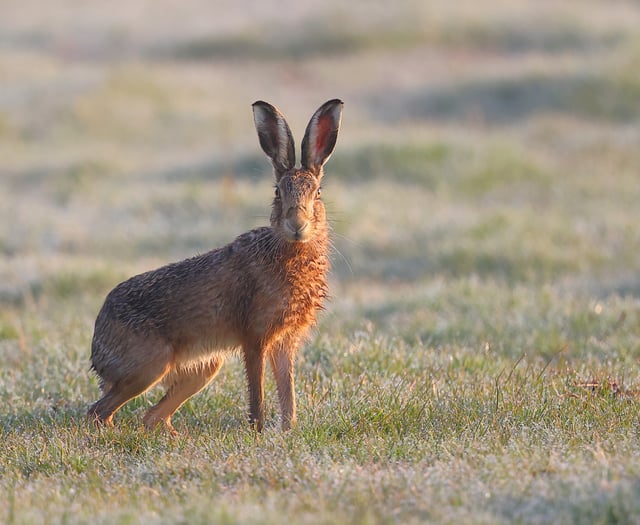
pixel 300 310
pixel 304 301
pixel 291 310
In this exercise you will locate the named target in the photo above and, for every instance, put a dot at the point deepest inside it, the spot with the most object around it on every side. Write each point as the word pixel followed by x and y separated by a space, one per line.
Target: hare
pixel 260 294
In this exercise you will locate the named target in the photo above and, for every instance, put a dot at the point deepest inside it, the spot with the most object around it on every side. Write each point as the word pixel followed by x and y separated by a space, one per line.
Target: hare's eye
pixel 277 192
pixel 318 193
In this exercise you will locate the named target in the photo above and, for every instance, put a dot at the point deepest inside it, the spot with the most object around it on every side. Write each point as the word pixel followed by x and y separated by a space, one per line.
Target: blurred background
pixel 478 359
pixel 493 142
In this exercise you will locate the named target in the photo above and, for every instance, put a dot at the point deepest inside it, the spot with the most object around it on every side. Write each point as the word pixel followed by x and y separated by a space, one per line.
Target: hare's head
pixel 298 211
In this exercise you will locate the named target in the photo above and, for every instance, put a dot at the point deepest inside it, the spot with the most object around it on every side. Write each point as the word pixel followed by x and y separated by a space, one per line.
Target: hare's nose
pixel 297 223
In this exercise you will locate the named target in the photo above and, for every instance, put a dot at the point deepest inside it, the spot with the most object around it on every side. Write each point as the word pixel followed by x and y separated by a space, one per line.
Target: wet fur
pixel 258 295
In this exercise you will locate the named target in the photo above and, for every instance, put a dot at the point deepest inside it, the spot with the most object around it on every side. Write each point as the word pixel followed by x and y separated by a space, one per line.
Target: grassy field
pixel 478 361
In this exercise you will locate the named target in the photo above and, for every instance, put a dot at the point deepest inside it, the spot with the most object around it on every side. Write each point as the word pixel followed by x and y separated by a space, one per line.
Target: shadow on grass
pixel 54 414
pixel 328 35
pixel 579 502
pixel 623 287
pixel 376 263
pixel 507 101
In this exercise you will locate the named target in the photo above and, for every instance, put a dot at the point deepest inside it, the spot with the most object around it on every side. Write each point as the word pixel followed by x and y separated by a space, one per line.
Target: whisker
pixel 350 241
pixel 343 257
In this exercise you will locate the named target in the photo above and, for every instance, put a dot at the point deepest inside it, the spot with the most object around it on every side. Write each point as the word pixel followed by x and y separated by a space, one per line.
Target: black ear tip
pixel 334 105
pixel 261 104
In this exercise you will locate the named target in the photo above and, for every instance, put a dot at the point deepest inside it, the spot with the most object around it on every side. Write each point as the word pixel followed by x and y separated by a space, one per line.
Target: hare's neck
pixel 315 249
pixel 308 260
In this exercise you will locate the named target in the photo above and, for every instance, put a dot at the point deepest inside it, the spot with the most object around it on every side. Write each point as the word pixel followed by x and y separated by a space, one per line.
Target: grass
pixel 438 427
pixel 459 400
pixel 478 360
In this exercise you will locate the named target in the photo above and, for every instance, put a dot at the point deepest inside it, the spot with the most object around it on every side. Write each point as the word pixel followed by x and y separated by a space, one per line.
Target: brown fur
pixel 175 325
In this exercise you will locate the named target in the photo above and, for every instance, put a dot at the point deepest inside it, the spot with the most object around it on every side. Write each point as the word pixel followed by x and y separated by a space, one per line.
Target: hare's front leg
pixel 254 357
pixel 282 360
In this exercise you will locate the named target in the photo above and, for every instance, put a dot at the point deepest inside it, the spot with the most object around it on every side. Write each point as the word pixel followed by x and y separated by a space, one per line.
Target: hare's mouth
pixel 295 232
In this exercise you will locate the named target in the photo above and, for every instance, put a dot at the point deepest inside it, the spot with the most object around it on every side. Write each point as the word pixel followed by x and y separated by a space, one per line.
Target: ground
pixel 478 359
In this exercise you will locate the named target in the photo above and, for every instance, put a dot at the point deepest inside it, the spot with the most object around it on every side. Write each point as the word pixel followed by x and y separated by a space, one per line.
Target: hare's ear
pixel 321 135
pixel 275 136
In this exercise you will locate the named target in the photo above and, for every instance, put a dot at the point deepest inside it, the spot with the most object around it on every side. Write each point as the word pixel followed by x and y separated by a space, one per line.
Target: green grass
pixel 459 400
pixel 478 359
pixel 390 430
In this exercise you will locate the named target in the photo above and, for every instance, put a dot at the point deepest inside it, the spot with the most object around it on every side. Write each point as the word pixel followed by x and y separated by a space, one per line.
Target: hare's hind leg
pixel 282 361
pixel 105 386
pixel 185 384
pixel 133 382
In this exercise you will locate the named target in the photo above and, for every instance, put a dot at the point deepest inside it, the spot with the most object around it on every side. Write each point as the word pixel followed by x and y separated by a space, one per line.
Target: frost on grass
pixel 477 362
